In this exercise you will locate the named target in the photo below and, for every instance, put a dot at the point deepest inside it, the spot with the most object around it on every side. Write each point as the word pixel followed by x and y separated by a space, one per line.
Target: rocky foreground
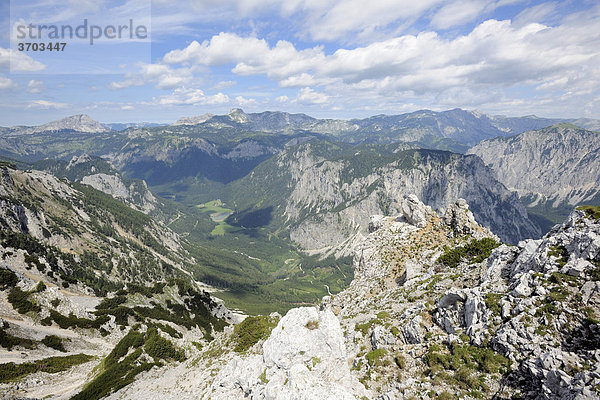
pixel 433 312
pixel 438 308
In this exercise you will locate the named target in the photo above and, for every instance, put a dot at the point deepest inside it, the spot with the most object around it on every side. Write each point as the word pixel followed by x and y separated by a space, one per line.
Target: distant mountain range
pixel 279 186
pixel 77 123
pixel 454 130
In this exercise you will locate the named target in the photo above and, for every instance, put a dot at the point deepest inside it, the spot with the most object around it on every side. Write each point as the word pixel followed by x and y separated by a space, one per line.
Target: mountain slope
pixel 103 242
pixel 100 175
pixel 324 193
pixel 552 168
pixel 454 130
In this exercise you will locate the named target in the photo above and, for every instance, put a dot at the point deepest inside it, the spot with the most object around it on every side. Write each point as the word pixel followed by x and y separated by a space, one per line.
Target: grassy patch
pixel 560 253
pixel 381 319
pixel 467 363
pixel 593 212
pixel 250 331
pixel 218 214
pixel 492 301
pixel 375 357
pixel 11 371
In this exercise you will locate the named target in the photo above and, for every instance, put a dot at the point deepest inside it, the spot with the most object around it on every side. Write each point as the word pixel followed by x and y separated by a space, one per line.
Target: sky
pixel 326 58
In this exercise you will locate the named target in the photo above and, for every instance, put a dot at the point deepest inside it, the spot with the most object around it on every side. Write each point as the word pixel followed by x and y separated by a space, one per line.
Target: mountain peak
pixel 238 115
pixel 79 123
pixel 194 120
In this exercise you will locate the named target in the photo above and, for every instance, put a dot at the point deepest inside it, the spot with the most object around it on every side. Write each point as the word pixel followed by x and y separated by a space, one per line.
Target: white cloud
pixel 300 80
pixel 308 96
pixel 494 55
pixel 282 99
pixel 35 86
pixel 318 19
pixel 163 77
pixel 250 55
pixel 6 83
pixel 46 105
pixel 191 96
pixel 18 61
pixel 457 13
pixel 242 101
pixel 127 108
pixel 336 19
pixel 224 85
pixel 537 13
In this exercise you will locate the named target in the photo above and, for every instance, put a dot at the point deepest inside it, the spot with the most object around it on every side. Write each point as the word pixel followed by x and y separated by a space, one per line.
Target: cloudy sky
pixel 326 58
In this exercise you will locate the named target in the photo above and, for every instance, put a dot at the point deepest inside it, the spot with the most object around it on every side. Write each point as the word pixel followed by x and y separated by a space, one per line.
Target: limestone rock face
pixel 328 208
pixel 304 358
pixel 460 218
pixel 415 212
pixel 556 165
pixel 136 194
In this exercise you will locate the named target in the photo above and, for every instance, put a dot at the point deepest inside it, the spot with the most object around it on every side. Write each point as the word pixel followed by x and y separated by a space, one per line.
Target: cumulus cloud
pixel 18 61
pixel 6 83
pixel 495 54
pixel 162 76
pixel 243 102
pixel 308 96
pixel 191 96
pixel 250 55
pixel 46 105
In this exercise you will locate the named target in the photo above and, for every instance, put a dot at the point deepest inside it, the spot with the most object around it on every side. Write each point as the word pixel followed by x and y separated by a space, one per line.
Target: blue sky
pixel 326 58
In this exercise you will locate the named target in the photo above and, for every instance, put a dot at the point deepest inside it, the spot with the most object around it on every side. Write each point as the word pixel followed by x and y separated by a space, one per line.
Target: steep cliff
pixel 552 169
pixel 324 193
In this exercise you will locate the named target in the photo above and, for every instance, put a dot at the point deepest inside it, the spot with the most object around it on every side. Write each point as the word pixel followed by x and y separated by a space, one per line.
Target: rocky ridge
pixel 519 322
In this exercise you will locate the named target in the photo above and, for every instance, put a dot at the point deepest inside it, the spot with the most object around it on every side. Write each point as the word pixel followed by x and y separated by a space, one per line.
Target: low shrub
pixel 54 342
pixel 7 279
pixel 473 252
pixel 375 357
pixel 9 341
pixel 20 301
pixel 159 348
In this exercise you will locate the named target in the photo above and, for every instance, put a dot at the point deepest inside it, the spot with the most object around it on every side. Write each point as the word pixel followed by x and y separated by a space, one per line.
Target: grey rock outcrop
pixel 304 358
